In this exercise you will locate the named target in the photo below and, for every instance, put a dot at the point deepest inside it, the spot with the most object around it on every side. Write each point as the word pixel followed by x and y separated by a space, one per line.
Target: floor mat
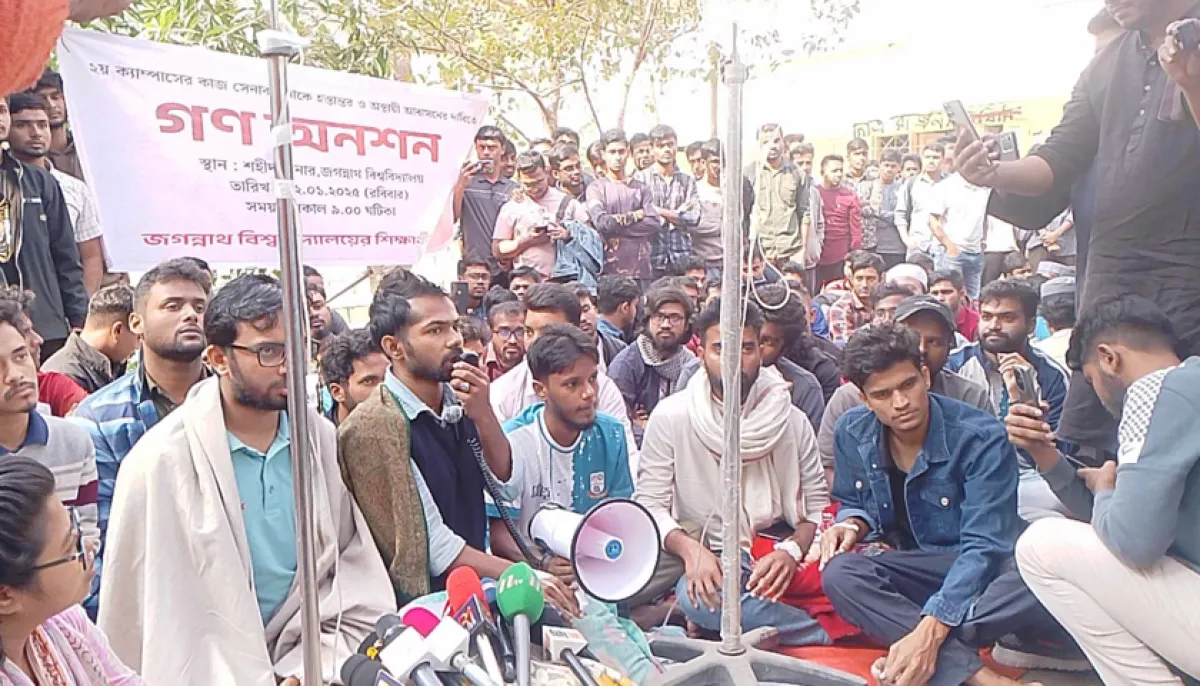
pixel 857 660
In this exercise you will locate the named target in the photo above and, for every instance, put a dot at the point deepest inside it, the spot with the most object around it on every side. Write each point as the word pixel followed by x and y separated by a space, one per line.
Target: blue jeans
pixel 796 628
pixel 969 264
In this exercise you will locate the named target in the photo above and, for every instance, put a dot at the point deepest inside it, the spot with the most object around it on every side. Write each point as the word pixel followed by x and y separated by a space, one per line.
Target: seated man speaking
pixel 937 480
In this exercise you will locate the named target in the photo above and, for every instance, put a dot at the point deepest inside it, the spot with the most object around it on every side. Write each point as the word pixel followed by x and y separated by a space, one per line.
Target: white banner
pixel 177 144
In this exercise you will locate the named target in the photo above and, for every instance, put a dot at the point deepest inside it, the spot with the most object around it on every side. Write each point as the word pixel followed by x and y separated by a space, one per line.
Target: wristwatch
pixel 791 548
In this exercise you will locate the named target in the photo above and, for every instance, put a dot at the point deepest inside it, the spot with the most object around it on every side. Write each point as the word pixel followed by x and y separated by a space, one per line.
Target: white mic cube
pixel 448 639
pixel 405 653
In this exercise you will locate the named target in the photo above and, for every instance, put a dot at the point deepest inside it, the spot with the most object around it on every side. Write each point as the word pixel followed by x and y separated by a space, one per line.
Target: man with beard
pixel 783 486
pixel 62 144
pixel 507 322
pixel 351 368
pixel 565 453
pixel 852 311
pixel 1128 152
pixel 657 364
pixel 169 305
pixel 313 277
pixel 932 321
pixel 96 356
pixel 418 453
pixel 319 319
pixel 936 480
pixel 206 506
pixel 1124 580
pixel 1007 317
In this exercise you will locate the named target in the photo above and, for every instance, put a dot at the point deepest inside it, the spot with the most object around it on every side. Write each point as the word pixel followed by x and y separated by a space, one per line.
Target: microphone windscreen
pixel 519 592
pixel 462 585
pixel 387 626
pixel 359 670
pixel 422 620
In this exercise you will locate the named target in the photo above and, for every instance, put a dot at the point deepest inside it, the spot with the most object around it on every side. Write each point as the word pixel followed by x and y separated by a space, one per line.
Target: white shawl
pixel 680 478
pixel 177 596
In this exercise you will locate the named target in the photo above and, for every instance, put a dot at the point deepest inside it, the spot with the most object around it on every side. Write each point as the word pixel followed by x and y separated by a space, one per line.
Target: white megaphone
pixel 614 548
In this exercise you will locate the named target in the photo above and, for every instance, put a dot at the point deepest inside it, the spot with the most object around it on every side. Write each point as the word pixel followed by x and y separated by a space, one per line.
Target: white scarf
pixel 764 415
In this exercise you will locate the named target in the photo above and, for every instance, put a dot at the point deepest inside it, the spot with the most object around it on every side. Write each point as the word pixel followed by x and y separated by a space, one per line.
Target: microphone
pixel 467 605
pixel 519 594
pixel 447 642
pixel 470 358
pixel 360 670
pixel 404 654
pixel 507 657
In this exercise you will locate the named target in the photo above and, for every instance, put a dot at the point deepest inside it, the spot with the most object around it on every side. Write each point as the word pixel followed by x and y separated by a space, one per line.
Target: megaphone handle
pixel 577 668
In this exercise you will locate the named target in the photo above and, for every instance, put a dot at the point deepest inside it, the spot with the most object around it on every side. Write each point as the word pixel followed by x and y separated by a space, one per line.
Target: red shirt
pixel 843 223
pixel 967 323
pixel 60 392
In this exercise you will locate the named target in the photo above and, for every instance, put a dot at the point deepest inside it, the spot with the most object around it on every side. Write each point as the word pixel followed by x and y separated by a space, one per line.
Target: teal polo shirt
pixel 265 485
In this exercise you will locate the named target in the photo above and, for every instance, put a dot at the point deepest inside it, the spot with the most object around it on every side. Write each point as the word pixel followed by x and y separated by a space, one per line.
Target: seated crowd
pixel 899 512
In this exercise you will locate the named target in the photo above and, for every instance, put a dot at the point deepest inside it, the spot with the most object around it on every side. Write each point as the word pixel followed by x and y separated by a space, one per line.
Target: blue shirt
pixel 269 509
pixel 609 329
pixel 961 494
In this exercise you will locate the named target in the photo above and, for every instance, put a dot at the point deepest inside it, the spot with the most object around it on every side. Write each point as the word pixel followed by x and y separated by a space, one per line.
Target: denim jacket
pixel 961 495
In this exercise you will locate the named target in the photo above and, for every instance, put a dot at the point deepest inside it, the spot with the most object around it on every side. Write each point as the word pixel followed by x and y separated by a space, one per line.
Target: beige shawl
pixel 177 570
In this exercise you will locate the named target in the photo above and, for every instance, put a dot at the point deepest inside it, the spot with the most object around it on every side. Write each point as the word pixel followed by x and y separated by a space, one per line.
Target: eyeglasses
pixel 81 551
pixel 672 319
pixel 507 334
pixel 269 354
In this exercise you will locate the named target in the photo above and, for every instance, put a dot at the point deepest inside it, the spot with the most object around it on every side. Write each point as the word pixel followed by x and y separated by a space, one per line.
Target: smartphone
pixel 460 292
pixel 1007 143
pixel 961 118
pixel 1027 385
pixel 487 166
pixel 1188 35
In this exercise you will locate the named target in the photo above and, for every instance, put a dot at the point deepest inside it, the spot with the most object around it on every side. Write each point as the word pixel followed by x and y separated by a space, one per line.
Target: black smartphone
pixel 460 292
pixel 1027 385
pixel 961 119
pixel 1188 35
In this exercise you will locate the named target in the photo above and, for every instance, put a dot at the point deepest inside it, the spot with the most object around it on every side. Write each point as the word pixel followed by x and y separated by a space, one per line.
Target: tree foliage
pixel 543 52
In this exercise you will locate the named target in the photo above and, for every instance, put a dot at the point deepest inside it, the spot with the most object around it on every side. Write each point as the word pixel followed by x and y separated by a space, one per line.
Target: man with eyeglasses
pixel 61 446
pixel 657 364
pixel 507 322
pixel 203 538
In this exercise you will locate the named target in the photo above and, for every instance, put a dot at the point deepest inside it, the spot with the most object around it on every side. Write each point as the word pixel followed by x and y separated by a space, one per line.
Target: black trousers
pixel 883 595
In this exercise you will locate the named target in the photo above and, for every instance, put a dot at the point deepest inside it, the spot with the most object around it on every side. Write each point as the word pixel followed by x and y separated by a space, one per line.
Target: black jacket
pixel 47 258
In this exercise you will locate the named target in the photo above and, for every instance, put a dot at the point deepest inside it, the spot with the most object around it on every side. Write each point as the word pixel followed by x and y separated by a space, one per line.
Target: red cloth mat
pixel 857 659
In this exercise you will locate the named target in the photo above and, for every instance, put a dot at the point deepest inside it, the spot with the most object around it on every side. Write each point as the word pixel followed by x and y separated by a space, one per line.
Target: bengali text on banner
pixel 177 143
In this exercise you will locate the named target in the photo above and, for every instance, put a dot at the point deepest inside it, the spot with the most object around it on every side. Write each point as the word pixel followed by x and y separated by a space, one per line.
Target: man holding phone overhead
pixel 480 193
pixel 1132 120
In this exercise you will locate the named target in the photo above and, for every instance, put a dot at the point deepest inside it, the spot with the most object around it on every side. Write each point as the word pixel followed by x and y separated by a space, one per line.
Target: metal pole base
pixel 703 664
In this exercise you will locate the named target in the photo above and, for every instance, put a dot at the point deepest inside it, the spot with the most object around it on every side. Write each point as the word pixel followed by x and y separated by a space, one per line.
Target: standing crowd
pixel 965 390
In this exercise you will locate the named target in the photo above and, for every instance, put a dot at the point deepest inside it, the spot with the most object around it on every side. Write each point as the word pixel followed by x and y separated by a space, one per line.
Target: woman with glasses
pixel 45 571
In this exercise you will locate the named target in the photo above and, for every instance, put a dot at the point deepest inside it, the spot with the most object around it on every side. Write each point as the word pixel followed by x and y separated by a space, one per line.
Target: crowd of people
pixel 937 348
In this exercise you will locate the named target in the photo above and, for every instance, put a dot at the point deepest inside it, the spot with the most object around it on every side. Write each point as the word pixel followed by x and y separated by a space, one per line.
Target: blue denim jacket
pixel 961 494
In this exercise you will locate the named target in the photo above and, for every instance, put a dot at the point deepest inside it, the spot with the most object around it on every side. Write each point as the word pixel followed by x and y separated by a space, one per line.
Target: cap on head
pixel 924 303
